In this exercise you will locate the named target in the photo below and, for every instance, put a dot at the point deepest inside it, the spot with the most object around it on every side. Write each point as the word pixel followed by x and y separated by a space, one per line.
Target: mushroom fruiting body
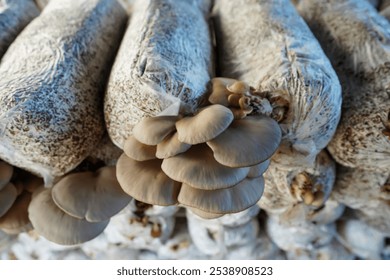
pixel 208 166
pixel 8 196
pixel 57 226
pixel 16 219
pixel 6 172
pixel 94 196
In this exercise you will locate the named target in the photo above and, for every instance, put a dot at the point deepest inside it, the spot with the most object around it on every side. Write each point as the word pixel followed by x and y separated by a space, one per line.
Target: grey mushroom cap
pixel 137 150
pixel 55 225
pixel 198 168
pixel 16 219
pixel 146 182
pixel 8 196
pixel 223 201
pixel 258 169
pixel 6 171
pixel 94 196
pixel 203 214
pixel 171 146
pixel 153 130
pixel 205 125
pixel 247 141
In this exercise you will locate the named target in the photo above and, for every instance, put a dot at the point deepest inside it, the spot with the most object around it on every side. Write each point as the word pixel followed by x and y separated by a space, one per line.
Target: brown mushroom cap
pixel 223 201
pixel 94 196
pixel 153 130
pixel 146 182
pixel 6 171
pixel 258 169
pixel 247 141
pixel 16 219
pixel 204 126
pixel 171 146
pixel 137 150
pixel 198 168
pixel 57 226
pixel 238 87
pixel 8 196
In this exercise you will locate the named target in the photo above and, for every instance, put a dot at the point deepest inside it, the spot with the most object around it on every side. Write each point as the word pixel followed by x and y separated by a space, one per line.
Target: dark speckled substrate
pixel 52 85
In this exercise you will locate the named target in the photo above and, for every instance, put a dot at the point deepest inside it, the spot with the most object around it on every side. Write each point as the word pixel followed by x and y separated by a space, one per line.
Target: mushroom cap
pixel 6 171
pixel 198 168
pixel 247 141
pixel 153 130
pixel 220 93
pixel 258 169
pixel 8 196
pixel 55 225
pixel 137 150
pixel 223 201
pixel 94 196
pixel 203 214
pixel 146 182
pixel 238 87
pixel 205 125
pixel 16 219
pixel 171 146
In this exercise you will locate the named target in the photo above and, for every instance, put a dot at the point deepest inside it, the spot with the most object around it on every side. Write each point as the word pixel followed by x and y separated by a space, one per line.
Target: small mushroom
pixel 16 219
pixel 138 151
pixel 6 171
pixel 171 146
pixel 94 196
pixel 220 93
pixel 198 168
pixel 205 125
pixel 153 130
pixel 146 182
pixel 8 196
pixel 223 201
pixel 247 142
pixel 55 225
pixel 238 87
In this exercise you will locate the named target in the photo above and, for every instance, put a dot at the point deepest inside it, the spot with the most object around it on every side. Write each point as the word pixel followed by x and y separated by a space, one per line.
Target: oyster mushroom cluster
pixel 16 188
pixel 210 161
pixel 78 207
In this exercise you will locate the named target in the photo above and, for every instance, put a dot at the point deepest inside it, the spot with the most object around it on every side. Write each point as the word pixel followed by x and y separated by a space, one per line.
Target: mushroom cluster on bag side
pixel 16 187
pixel 78 207
pixel 211 161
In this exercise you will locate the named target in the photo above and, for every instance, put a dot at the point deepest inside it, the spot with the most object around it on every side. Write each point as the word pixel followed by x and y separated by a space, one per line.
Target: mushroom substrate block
pixel 52 85
pixel 165 56
pixel 272 49
pixel 14 16
pixel 357 41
